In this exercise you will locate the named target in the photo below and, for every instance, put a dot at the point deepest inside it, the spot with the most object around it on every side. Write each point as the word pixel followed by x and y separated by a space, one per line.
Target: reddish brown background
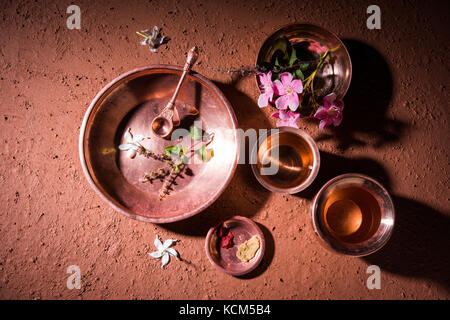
pixel 395 129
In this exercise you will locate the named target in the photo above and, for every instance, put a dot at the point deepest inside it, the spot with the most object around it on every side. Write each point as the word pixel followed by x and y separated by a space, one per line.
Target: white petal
pixel 172 252
pixel 125 146
pixel 158 244
pixel 165 259
pixel 156 254
pixel 168 243
pixel 131 153
pixel 128 136
pixel 138 138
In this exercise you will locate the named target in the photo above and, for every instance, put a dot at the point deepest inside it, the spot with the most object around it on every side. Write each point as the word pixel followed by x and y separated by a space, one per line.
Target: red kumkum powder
pixel 226 238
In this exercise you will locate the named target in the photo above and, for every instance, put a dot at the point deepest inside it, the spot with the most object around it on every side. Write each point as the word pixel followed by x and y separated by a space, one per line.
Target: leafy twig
pixel 160 174
pixel 248 70
pixel 170 180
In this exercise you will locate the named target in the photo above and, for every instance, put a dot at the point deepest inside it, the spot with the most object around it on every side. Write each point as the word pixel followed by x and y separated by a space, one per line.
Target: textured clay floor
pixel 395 129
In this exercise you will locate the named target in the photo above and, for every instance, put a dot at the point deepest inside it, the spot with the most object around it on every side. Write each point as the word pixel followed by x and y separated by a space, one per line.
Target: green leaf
pixel 299 74
pixel 206 154
pixel 304 66
pixel 171 150
pixel 277 63
pixel 196 133
pixel 293 58
pixel 282 44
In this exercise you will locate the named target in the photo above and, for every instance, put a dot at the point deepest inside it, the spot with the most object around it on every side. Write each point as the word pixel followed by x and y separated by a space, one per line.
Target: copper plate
pixel 226 260
pixel 131 101
pixel 310 39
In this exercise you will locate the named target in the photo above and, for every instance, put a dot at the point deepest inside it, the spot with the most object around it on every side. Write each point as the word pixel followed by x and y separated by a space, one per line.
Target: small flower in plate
pixel 164 251
pixel 266 87
pixel 286 118
pixel 288 91
pixel 131 144
pixel 330 112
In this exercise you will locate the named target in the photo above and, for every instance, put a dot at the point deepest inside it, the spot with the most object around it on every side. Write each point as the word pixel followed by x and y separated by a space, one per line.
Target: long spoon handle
pixel 190 61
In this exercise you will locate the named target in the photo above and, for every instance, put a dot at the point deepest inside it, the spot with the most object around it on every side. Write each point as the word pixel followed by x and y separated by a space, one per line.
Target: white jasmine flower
pixel 153 38
pixel 131 143
pixel 164 251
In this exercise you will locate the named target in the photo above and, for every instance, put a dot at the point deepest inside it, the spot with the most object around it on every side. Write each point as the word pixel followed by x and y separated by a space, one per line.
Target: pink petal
pixel 261 77
pixel 279 88
pixel 293 124
pixel 264 79
pixel 339 104
pixel 276 115
pixel 321 113
pixel 284 115
pixel 297 85
pixel 286 78
pixel 338 119
pixel 287 123
pixel 324 123
pixel 293 101
pixel 263 100
pixel 328 100
pixel 282 103
pixel 280 123
pixel 295 116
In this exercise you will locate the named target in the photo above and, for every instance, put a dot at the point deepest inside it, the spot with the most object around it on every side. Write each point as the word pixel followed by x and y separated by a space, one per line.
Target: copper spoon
pixel 162 124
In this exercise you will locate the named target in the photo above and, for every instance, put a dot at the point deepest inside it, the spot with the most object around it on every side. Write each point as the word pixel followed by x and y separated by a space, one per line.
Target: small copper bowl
pixel 226 260
pixel 294 164
pixel 312 41
pixel 131 101
pixel 353 214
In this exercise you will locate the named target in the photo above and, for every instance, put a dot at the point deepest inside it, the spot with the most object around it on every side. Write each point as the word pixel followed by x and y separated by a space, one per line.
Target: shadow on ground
pixel 366 120
pixel 419 246
pixel 332 165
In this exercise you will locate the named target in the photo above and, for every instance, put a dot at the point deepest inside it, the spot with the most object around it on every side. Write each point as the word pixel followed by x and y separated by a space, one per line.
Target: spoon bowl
pixel 162 127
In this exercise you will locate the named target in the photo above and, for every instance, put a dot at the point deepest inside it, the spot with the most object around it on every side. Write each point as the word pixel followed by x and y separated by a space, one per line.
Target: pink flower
pixel 286 118
pixel 317 47
pixel 266 89
pixel 331 112
pixel 288 91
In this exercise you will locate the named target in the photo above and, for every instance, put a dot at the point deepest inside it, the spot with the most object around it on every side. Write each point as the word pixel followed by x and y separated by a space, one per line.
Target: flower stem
pixel 150 154
pixel 141 34
pixel 309 81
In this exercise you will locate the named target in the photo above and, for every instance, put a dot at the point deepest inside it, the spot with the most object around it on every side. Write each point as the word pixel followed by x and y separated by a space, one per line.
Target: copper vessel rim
pixel 323 238
pixel 302 25
pixel 104 196
pixel 311 177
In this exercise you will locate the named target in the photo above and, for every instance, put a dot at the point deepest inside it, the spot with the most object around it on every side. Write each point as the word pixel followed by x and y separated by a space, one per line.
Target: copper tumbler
pixel 353 214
